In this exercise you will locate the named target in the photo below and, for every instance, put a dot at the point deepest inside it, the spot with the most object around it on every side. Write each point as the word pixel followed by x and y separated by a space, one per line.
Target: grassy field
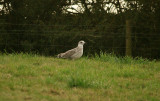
pixel 26 77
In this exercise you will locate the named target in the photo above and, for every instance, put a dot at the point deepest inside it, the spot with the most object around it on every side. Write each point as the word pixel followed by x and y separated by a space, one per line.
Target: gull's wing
pixel 69 53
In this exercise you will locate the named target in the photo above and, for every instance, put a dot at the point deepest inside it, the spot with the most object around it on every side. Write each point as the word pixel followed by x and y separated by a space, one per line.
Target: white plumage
pixel 74 53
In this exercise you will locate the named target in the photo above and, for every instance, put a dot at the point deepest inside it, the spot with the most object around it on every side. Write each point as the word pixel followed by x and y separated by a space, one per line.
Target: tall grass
pixel 105 57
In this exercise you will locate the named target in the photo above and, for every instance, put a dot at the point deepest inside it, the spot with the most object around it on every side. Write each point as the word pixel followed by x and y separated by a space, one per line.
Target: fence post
pixel 128 38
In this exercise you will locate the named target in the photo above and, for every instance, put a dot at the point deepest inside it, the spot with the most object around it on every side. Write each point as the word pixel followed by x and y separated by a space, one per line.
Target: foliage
pixel 46 27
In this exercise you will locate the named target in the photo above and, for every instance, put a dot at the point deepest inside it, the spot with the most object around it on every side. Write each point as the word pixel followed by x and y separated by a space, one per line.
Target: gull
pixel 74 53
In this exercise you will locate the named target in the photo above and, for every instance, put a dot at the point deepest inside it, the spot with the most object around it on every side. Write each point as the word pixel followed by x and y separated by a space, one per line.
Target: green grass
pixel 103 78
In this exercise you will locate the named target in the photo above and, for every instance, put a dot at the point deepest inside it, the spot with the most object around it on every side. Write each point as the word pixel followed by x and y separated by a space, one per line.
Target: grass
pixel 103 78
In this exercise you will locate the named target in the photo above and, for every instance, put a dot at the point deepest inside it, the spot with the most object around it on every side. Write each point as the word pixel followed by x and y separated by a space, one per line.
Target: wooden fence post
pixel 128 38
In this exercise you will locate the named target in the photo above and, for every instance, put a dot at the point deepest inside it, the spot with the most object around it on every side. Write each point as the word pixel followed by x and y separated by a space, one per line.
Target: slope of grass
pixel 105 78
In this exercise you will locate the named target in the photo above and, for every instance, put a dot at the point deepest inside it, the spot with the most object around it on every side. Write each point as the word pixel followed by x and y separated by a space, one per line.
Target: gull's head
pixel 81 43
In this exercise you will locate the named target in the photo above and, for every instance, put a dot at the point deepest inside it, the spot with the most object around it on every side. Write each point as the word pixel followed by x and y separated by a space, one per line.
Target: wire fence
pixel 54 39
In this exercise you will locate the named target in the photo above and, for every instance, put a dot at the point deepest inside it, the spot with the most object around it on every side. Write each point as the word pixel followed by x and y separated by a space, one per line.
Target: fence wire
pixel 101 40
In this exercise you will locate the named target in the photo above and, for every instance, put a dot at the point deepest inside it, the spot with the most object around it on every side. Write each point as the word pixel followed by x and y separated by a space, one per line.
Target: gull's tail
pixel 60 55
